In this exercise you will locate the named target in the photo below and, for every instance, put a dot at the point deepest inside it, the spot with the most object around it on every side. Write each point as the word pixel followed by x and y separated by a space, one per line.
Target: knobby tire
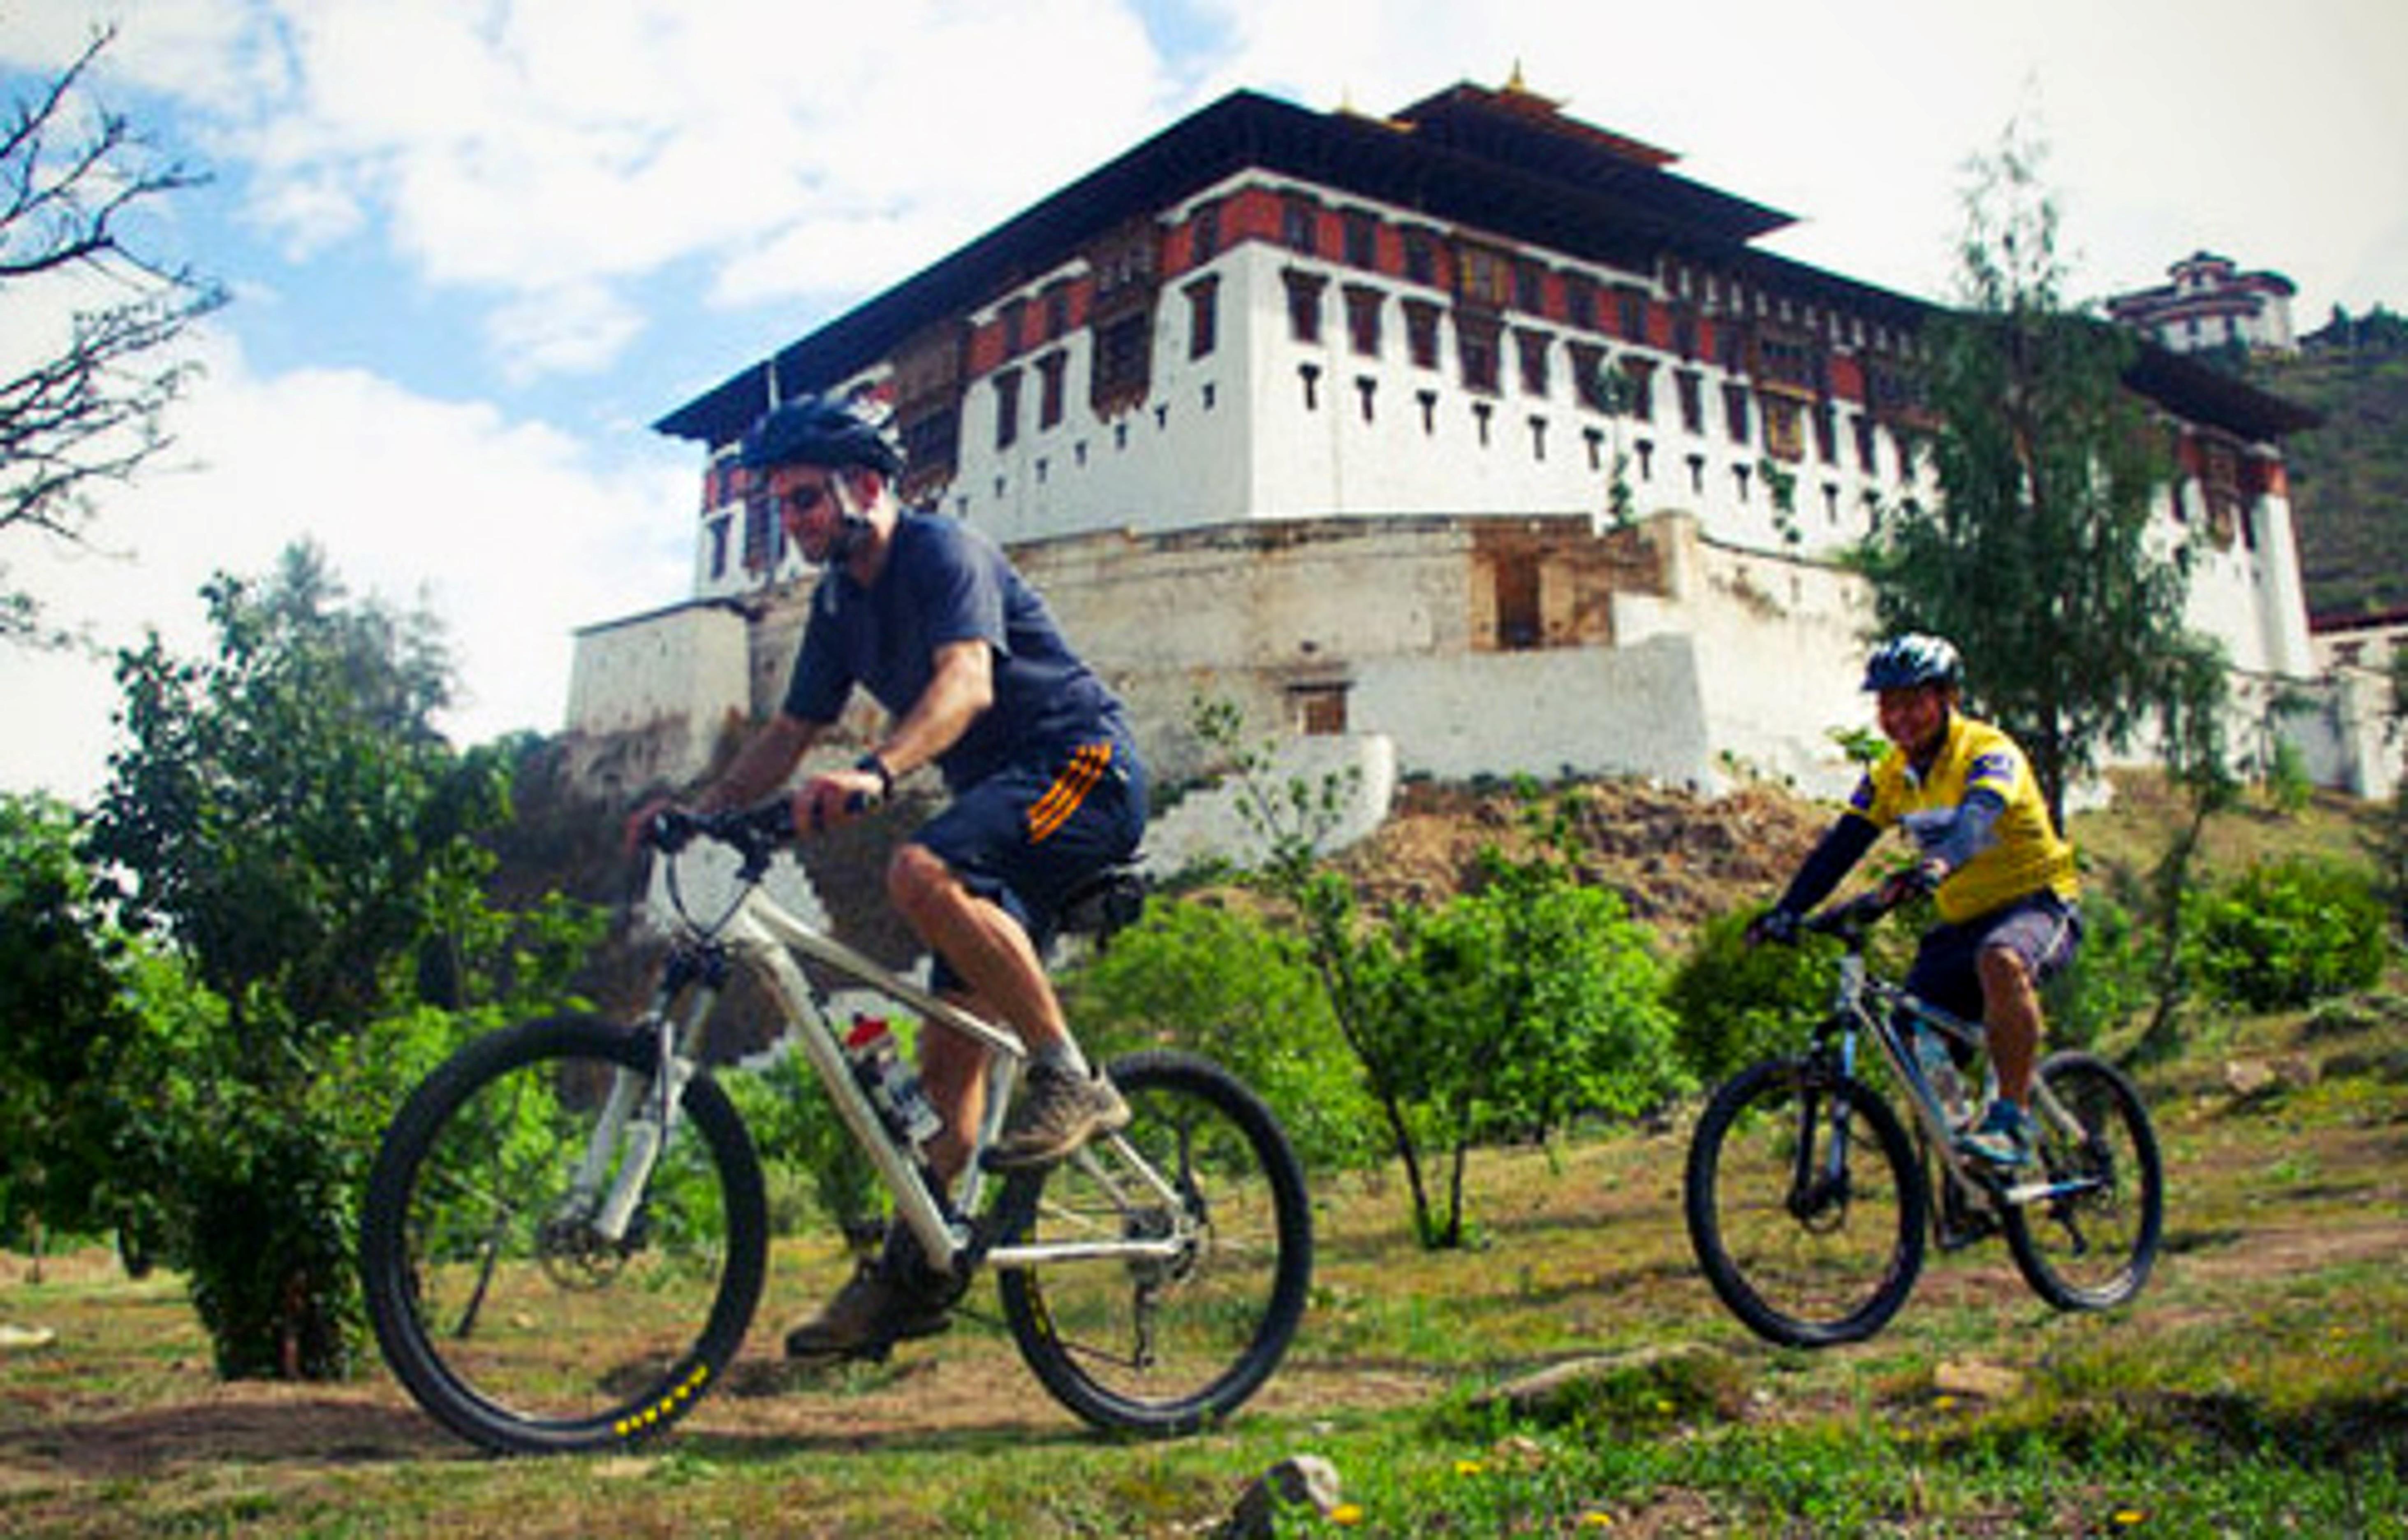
pixel 1804 1261
pixel 1161 1348
pixel 519 1333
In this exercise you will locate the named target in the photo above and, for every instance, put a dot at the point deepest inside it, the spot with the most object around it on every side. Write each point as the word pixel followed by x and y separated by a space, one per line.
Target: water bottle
pixel 894 1089
pixel 1939 1069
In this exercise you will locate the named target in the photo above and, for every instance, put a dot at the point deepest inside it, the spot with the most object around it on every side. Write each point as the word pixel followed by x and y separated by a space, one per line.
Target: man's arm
pixel 961 687
pixel 1841 847
pixel 762 766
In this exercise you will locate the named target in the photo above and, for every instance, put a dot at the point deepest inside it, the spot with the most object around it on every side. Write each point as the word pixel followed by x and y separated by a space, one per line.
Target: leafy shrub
pixel 1737 1004
pixel 2290 933
pixel 1220 983
pixel 2108 982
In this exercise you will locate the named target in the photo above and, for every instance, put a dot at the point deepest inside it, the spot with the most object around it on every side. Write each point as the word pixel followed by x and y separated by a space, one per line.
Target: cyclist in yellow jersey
pixel 2002 877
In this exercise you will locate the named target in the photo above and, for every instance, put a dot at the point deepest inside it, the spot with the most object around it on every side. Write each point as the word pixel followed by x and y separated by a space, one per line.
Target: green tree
pixel 2034 558
pixel 2198 752
pixel 94 311
pixel 1737 1004
pixel 292 824
pixel 1219 980
pixel 73 1029
pixel 2388 842
pixel 1502 1014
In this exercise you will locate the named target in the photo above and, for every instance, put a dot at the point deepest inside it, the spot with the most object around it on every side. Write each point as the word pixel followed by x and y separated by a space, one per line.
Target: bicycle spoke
pixel 500 1304
pixel 1804 1206
pixel 1146 1340
pixel 2088 1239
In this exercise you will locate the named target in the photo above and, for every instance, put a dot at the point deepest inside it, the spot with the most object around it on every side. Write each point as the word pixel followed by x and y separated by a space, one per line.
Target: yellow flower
pixel 1346 1515
pixel 1946 1403
pixel 1466 1467
pixel 2129 1516
pixel 1593 1519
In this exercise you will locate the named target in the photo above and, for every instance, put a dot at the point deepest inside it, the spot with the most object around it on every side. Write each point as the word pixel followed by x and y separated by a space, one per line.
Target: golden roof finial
pixel 1517 86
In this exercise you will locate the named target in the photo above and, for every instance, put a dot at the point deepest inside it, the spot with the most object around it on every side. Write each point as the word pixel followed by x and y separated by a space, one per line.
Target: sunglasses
pixel 801 500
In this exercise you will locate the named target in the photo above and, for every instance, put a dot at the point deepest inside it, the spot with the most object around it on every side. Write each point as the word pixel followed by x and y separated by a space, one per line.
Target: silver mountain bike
pixel 1808 1199
pixel 566 1230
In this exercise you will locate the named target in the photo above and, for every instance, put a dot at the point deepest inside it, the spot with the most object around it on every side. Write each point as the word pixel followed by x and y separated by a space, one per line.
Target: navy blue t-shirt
pixel 944 583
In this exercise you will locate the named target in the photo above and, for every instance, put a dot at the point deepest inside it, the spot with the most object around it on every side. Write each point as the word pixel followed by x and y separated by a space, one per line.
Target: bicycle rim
pixel 510 1320
pixel 1806 1253
pixel 1163 1346
pixel 2090 1247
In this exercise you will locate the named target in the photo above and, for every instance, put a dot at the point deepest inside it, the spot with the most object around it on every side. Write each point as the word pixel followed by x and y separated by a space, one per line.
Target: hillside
pixel 2349 478
pixel 1676 857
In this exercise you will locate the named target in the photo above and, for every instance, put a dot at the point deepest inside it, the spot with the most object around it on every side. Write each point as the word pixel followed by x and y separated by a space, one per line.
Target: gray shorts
pixel 2040 927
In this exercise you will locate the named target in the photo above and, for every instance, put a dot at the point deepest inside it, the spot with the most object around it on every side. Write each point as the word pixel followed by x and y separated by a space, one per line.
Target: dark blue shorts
pixel 1028 835
pixel 2040 927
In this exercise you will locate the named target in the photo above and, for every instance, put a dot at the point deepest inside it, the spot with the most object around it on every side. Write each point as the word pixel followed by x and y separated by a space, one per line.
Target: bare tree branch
pixel 88 413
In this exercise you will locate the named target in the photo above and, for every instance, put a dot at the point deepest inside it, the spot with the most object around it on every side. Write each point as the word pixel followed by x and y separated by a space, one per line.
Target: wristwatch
pixel 877 767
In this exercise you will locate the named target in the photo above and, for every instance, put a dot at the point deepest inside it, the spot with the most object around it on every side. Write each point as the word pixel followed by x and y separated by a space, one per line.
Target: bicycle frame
pixel 763 935
pixel 1865 1004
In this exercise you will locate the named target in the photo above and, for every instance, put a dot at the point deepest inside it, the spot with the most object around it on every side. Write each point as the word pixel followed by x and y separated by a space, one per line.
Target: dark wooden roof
pixel 2197 393
pixel 1467 156
pixel 1502 161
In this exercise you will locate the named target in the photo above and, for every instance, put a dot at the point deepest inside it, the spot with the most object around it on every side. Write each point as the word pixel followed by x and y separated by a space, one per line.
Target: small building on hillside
pixel 2207 303
pixel 1476 427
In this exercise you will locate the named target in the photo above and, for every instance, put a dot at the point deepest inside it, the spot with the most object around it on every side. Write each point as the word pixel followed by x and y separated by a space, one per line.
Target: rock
pixel 1970 1377
pixel 1296 1481
pixel 2248 1079
pixel 1680 1373
pixel 15 1338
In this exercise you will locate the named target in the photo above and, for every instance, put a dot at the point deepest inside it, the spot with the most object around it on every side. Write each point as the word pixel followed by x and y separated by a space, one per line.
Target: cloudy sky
pixel 477 246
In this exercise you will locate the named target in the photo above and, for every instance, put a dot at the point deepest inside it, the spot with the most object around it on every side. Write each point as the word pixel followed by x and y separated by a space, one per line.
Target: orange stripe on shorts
pixel 1069 789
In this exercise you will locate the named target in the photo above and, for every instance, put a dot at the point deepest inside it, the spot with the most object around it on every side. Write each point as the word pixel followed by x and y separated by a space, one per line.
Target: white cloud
pixel 507 530
pixel 575 329
pixel 544 150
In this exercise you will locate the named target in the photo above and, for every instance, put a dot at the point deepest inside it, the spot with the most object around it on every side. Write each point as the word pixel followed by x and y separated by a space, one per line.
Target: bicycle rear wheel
pixel 498 1304
pixel 2090 1245
pixel 1805 1204
pixel 1162 1346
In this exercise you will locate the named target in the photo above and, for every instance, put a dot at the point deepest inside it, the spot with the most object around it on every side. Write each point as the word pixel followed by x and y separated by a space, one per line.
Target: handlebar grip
pixel 671 830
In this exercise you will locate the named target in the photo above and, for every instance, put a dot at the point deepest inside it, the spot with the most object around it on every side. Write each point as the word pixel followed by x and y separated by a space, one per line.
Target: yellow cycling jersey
pixel 2026 853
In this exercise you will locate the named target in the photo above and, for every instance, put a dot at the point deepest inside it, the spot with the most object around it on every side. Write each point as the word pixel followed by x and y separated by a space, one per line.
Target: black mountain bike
pixel 1808 1199
pixel 567 1230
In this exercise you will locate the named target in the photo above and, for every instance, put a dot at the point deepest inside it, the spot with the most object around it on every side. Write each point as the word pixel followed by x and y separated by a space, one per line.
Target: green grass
pixel 2258 1386
pixel 2255 1388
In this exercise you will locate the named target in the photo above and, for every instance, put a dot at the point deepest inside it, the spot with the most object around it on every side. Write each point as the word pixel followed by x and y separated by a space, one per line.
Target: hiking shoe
pixel 2003 1138
pixel 1057 1112
pixel 872 1312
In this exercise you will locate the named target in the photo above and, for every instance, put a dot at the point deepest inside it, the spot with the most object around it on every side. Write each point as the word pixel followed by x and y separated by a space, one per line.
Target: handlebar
pixel 756 833
pixel 1851 920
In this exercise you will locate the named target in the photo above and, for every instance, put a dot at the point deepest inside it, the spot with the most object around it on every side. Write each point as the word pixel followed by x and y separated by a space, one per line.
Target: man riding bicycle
pixel 1047 789
pixel 2002 877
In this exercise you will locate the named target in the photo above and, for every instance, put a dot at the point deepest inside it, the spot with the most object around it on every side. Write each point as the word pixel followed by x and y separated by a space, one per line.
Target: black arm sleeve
pixel 1841 847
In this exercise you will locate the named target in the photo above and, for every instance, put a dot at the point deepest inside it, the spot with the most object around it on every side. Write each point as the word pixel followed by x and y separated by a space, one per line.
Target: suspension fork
pixel 1833 1055
pixel 641 1113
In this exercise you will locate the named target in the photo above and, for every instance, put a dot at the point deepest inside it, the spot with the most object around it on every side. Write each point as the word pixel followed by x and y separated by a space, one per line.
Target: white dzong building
pixel 1476 428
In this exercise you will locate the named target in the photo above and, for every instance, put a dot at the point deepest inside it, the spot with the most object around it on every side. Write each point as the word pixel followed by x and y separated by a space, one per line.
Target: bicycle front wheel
pixel 2090 1241
pixel 1805 1204
pixel 501 1305
pixel 1168 1342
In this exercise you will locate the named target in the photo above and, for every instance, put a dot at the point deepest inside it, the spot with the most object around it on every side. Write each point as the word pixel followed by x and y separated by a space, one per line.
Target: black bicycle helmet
pixel 822 431
pixel 1905 662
